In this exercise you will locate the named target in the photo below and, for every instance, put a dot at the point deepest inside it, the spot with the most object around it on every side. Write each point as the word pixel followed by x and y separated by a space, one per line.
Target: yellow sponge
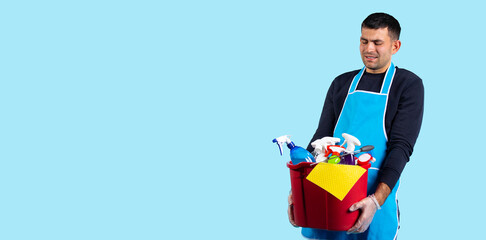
pixel 336 179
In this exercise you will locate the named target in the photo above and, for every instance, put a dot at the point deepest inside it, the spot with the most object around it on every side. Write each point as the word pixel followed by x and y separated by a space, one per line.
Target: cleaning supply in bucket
pixel 334 152
pixel 334 159
pixel 365 160
pixel 350 158
pixel 351 141
pixel 297 154
pixel 321 147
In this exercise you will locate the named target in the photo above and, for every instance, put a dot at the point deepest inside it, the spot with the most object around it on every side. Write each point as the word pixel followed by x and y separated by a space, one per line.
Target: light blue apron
pixel 363 116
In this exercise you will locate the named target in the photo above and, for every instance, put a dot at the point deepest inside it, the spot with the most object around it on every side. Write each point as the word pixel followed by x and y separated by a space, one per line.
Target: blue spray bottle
pixel 297 154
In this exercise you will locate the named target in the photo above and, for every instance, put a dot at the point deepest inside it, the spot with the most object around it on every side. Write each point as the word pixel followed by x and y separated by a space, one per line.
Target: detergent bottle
pixel 297 154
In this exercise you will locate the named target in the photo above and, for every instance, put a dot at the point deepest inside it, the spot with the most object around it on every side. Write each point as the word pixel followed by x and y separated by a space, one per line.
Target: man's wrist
pixel 372 196
pixel 382 192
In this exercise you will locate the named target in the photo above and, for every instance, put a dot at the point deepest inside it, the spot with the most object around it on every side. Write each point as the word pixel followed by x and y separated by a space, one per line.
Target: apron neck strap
pixel 390 73
pixel 385 87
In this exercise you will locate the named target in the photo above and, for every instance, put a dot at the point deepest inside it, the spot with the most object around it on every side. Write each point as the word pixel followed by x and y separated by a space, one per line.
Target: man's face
pixel 377 48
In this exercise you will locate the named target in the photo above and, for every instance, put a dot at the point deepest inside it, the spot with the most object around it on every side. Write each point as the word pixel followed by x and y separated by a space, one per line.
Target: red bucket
pixel 314 207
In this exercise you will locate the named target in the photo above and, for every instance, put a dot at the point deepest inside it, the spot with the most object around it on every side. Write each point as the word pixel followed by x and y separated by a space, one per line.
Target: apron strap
pixel 390 73
pixel 356 79
pixel 385 87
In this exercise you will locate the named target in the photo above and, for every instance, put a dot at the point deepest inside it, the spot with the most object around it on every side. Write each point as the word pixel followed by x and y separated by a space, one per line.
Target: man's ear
pixel 396 46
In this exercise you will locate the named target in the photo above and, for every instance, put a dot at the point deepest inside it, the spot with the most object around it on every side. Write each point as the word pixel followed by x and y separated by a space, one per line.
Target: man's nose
pixel 370 47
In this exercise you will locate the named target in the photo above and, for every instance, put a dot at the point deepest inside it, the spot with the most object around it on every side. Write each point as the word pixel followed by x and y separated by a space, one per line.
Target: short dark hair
pixel 383 20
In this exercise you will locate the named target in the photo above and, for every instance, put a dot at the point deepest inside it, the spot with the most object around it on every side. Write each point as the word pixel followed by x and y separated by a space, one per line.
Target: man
pixel 381 105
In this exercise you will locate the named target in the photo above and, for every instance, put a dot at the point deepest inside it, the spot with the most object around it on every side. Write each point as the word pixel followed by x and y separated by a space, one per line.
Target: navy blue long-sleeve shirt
pixel 403 117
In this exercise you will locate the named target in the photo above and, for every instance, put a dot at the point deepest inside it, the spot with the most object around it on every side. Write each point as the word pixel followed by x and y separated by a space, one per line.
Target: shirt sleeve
pixel 404 131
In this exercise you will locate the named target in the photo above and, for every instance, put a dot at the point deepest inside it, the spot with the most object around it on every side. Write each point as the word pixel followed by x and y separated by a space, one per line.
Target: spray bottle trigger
pixel 279 145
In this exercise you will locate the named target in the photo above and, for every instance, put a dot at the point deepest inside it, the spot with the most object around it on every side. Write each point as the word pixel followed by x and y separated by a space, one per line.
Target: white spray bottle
pixel 351 143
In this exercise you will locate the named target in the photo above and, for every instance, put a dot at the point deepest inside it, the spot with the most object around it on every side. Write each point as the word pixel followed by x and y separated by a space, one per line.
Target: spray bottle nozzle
pixel 352 141
pixel 280 140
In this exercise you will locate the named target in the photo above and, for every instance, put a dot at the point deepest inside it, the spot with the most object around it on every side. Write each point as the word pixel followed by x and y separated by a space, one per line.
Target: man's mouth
pixel 370 57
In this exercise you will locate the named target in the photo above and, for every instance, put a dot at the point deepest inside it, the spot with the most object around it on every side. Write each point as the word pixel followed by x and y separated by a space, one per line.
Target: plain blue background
pixel 154 120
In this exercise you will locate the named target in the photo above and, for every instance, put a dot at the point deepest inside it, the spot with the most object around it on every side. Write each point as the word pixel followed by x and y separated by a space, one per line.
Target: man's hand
pixel 290 211
pixel 368 209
